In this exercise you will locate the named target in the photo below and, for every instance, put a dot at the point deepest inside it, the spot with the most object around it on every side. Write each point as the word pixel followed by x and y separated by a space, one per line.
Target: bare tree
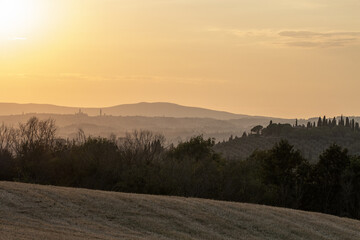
pixel 8 138
pixel 36 133
pixel 80 137
pixel 141 145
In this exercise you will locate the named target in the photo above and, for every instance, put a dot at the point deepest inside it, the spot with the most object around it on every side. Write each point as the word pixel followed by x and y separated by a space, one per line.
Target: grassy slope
pixel 45 212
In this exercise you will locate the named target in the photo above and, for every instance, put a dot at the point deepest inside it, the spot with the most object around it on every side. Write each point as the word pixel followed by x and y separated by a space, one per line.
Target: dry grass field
pixel 46 212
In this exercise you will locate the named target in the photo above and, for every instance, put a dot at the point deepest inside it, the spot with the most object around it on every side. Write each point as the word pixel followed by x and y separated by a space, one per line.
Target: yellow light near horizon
pixel 17 18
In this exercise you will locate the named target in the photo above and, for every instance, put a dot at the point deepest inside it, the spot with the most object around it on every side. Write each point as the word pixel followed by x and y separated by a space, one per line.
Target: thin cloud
pixel 327 44
pixel 291 38
pixel 309 34
pixel 309 39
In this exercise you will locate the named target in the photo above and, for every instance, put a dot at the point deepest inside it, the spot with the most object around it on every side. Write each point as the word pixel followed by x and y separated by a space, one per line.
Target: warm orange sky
pixel 283 58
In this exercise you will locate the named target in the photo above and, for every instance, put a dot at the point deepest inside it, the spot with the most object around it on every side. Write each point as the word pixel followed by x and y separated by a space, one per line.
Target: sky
pixel 280 58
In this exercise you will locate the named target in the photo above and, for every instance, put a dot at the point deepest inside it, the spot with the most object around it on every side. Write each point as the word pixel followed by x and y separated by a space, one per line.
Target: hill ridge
pixel 150 109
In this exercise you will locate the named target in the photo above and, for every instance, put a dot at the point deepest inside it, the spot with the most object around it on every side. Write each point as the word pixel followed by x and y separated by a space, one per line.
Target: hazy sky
pixel 286 58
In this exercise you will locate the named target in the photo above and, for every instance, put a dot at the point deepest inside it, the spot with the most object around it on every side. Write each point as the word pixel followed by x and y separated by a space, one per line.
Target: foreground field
pixel 46 212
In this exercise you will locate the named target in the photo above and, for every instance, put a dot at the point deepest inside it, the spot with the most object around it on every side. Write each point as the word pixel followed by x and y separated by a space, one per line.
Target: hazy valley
pixel 175 122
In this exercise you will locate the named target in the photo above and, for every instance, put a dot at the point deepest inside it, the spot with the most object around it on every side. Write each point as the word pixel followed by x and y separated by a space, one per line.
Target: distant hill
pixel 138 109
pixel 174 121
pixel 174 129
pixel 45 212
pixel 168 110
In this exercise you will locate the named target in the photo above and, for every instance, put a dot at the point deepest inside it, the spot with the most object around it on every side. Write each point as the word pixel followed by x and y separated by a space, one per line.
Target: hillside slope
pixel 242 148
pixel 160 109
pixel 45 212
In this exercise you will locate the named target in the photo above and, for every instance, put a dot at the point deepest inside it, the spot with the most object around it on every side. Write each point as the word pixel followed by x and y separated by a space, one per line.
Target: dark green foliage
pixel 257 129
pixel 196 169
pixel 350 189
pixel 324 122
pixel 7 166
pixel 280 169
pixel 7 144
pixel 276 129
pixel 243 182
pixel 347 122
pixel 140 163
pixel 310 140
pixel 328 171
pixel 94 163
pixel 341 121
pixel 320 123
pixel 197 148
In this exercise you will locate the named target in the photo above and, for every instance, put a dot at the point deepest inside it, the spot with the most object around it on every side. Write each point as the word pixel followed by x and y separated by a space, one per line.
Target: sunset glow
pixel 277 58
pixel 18 18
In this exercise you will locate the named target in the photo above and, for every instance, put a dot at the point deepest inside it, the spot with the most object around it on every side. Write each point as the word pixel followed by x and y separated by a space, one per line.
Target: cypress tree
pixel 341 123
pixel 333 122
pixel 319 124
pixel 347 122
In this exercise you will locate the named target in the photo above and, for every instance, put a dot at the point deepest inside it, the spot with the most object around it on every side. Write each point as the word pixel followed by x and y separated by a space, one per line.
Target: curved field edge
pixel 46 212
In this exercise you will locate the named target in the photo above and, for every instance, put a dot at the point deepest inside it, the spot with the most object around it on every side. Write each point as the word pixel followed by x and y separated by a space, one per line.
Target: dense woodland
pixel 141 163
pixel 311 139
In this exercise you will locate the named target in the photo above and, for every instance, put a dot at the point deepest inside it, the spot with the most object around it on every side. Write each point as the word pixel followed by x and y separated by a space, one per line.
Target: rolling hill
pixel 174 129
pixel 46 212
pixel 139 109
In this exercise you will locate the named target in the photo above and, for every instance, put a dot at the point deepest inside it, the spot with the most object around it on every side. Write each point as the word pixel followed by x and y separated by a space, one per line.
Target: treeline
pixel 324 122
pixel 340 127
pixel 311 139
pixel 141 163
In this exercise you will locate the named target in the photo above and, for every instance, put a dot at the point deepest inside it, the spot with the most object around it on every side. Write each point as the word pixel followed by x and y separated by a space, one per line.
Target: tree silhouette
pixel 333 123
pixel 347 122
pixel 341 122
pixel 257 129
pixel 319 124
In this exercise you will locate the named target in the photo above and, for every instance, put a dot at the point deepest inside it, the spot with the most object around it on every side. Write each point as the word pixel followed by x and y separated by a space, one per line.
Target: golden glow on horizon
pixel 18 18
pixel 278 58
